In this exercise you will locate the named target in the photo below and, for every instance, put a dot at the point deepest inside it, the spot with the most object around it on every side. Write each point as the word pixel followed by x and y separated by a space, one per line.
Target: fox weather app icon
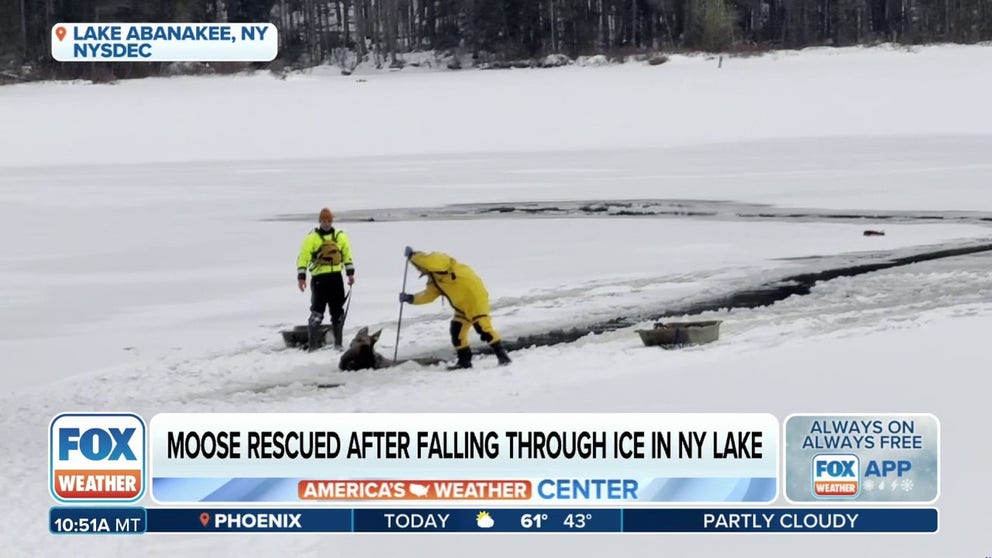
pixel 836 475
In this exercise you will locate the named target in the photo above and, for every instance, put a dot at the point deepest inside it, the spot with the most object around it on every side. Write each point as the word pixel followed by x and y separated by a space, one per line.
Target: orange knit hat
pixel 325 215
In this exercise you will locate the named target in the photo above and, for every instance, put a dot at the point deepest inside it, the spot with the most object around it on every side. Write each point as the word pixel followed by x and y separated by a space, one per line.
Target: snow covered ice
pixel 148 260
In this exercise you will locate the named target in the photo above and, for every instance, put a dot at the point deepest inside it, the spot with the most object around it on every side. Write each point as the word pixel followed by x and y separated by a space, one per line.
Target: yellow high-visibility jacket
pixel 310 258
pixel 455 281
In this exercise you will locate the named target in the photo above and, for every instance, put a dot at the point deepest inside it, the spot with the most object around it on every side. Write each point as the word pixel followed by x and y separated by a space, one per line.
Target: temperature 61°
pixel 577 520
pixel 529 520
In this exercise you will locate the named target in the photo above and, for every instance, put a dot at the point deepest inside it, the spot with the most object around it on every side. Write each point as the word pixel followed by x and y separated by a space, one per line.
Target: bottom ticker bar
pixel 136 520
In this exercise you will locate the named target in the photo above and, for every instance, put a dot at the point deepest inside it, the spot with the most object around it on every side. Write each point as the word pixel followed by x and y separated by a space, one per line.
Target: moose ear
pixel 375 336
pixel 362 332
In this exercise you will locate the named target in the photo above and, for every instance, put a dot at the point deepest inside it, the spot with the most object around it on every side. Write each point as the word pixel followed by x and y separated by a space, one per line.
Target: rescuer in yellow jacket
pixel 468 296
pixel 325 252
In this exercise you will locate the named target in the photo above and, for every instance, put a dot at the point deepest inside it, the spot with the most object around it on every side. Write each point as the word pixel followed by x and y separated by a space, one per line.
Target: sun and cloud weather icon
pixel 484 520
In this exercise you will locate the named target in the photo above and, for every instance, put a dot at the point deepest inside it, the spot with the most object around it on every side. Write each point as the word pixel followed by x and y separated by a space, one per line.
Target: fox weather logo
pixel 836 475
pixel 97 457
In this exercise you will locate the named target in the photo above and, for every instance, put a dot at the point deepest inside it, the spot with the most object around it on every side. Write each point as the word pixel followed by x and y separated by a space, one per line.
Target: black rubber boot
pixel 464 359
pixel 314 333
pixel 314 341
pixel 338 333
pixel 500 351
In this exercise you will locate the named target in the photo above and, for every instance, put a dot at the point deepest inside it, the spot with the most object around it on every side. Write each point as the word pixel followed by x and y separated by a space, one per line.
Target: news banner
pixel 113 473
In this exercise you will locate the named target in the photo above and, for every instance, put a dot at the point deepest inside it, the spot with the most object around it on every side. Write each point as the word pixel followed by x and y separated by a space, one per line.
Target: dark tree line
pixel 315 31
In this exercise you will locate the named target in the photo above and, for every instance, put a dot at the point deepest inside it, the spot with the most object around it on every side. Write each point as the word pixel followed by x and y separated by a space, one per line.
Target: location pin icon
pixel 60 33
pixel 204 518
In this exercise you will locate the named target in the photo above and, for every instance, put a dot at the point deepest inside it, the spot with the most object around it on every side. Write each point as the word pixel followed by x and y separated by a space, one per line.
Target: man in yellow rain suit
pixel 467 295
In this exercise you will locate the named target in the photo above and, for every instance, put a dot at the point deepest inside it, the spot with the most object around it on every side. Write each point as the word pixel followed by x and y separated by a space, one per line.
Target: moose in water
pixel 361 354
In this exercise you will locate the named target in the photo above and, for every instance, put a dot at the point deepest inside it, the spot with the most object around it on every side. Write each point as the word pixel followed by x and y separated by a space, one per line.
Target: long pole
pixel 399 322
pixel 346 307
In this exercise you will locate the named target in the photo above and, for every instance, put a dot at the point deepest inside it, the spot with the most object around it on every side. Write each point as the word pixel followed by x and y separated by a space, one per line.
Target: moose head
pixel 361 354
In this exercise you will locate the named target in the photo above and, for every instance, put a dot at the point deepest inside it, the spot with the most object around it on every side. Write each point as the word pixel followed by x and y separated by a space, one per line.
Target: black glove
pixel 405 297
